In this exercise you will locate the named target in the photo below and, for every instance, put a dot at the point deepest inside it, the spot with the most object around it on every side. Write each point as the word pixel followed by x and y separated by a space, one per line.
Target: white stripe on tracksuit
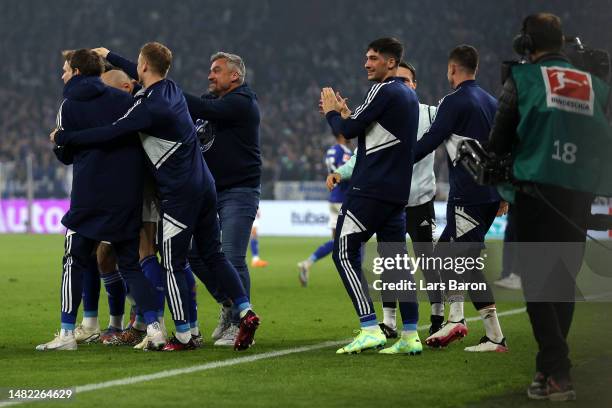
pixel 369 99
pixel 67 278
pixel 176 305
pixel 354 282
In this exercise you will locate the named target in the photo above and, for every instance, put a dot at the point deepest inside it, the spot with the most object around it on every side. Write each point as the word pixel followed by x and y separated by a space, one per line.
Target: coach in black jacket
pixel 106 198
pixel 233 156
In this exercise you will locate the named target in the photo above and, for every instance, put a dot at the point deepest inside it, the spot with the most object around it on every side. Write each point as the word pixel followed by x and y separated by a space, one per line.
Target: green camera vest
pixel 564 138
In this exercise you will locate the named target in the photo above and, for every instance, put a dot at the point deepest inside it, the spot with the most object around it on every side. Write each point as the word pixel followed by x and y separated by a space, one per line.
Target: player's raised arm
pixel 117 60
pixel 210 108
pixel 357 123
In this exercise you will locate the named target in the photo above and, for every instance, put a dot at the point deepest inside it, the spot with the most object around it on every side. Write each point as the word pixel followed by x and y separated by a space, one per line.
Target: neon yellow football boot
pixel 407 344
pixel 365 340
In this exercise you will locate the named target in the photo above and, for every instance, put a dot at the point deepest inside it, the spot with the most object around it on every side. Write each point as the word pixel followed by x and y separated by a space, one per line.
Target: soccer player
pixel 336 156
pixel 256 261
pixel 185 185
pixel 104 265
pixel 386 128
pixel 467 112
pixel 420 214
pixel 106 198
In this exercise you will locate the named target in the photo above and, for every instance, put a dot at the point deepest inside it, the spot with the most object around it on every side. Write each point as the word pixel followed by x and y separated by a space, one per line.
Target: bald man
pixel 120 80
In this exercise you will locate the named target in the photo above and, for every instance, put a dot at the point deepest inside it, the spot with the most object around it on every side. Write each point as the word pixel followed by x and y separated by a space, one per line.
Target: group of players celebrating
pixel 103 131
pixel 383 191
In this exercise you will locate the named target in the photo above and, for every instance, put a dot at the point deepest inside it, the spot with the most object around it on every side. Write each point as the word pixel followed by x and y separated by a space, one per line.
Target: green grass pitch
pixel 292 316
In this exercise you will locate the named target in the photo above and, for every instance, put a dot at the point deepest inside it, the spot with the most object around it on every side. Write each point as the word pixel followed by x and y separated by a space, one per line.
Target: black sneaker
pixel 560 389
pixel 198 341
pixel 537 390
pixel 389 332
pixel 436 324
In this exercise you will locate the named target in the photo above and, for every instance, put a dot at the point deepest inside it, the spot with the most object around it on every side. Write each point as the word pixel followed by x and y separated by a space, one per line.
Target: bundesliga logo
pixel 568 90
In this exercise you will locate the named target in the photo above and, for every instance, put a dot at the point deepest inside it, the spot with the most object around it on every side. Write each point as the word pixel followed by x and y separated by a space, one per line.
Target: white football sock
pixel 437 309
pixel 66 332
pixel 491 323
pixel 116 321
pixel 195 331
pixel 90 322
pixel 456 308
pixel 183 337
pixel 389 317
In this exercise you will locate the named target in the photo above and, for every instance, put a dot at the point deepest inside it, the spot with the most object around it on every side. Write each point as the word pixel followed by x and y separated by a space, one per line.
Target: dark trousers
pixel 464 235
pixel 539 224
pixel 236 208
pixel 77 256
pixel 360 218
pixel 192 228
pixel 509 255
pixel 420 224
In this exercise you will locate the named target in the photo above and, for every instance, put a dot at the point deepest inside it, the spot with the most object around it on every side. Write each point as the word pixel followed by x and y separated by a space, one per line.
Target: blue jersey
pixel 336 156
pixel 467 113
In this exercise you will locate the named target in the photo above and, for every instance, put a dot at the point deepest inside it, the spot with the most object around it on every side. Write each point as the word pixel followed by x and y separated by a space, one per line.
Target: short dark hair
pixel 545 31
pixel 466 56
pixel 410 68
pixel 85 60
pixel 158 56
pixel 389 47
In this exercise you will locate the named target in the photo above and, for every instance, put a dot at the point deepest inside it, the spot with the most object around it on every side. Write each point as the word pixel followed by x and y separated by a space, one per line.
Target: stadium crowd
pixel 290 50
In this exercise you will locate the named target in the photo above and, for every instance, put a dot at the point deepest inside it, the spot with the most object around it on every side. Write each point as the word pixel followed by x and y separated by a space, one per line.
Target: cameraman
pixel 551 120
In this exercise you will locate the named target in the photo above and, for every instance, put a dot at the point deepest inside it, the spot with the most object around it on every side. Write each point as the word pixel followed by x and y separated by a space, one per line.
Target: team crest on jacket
pixel 569 90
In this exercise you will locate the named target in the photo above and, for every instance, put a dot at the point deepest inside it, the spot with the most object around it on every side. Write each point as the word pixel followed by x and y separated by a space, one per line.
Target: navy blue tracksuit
pixel 466 113
pixel 385 126
pixel 185 185
pixel 106 198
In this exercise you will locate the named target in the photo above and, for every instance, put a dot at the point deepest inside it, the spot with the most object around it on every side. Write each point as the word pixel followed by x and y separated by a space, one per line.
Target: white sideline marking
pixel 225 363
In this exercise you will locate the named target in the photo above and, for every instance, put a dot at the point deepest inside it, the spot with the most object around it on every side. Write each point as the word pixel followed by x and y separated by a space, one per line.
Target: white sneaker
pixel 511 281
pixel 59 342
pixel 229 336
pixel 154 340
pixel 450 332
pixel 86 335
pixel 487 344
pixel 304 268
pixel 225 315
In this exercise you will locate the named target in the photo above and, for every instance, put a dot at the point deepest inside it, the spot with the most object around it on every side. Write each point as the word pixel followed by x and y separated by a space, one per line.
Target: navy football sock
pixel 154 273
pixel 115 289
pixel 193 298
pixel 91 289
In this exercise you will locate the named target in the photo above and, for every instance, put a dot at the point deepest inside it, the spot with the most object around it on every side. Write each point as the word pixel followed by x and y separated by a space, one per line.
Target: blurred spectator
pixel 292 49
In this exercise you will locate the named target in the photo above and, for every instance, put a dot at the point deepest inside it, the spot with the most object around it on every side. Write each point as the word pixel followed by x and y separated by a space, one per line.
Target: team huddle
pixel 108 134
